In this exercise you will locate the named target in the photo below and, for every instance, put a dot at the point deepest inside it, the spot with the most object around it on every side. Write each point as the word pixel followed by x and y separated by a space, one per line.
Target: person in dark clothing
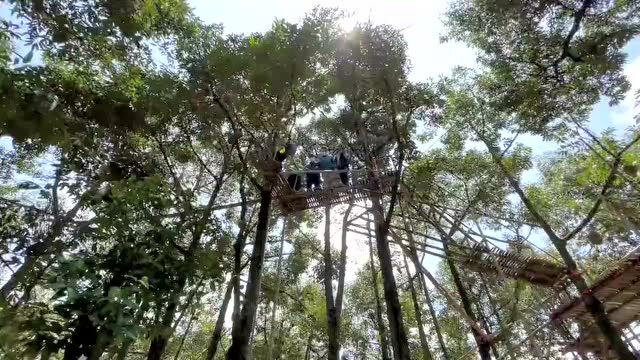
pixel 313 179
pixel 295 182
pixel 342 164
pixel 286 151
pixel 325 160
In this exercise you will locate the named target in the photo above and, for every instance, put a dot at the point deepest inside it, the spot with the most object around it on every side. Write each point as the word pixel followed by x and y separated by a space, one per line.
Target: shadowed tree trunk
pixel 307 352
pixel 238 247
pixel 343 263
pixel 276 295
pixel 384 345
pixel 394 311
pixel 484 347
pixel 217 331
pixel 243 327
pixel 48 247
pixel 332 320
pixel 426 353
pixel 159 342
pixel 423 286
pixel 184 336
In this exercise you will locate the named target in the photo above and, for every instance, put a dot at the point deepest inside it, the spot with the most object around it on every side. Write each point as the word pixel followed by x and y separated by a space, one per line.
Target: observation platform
pixel 331 192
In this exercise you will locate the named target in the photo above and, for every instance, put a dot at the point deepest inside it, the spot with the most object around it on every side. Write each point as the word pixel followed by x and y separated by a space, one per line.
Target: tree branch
pixel 596 206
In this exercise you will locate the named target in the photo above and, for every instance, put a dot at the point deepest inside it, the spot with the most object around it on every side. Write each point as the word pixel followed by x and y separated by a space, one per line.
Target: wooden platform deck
pixel 619 292
pixel 332 192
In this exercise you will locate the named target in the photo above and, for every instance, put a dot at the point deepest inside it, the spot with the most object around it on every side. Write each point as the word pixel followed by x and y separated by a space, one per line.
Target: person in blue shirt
pixel 325 160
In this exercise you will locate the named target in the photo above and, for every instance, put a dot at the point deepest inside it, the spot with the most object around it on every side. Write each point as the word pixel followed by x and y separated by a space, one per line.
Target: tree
pixel 568 59
pixel 136 199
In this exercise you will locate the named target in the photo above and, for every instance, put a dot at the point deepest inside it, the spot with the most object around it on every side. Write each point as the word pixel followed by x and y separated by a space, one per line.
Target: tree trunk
pixel 332 320
pixel 28 265
pixel 307 352
pixel 83 336
pixel 423 286
pixel 276 294
pixel 343 263
pixel 485 324
pixel 484 347
pixel 184 336
pixel 187 305
pixel 103 341
pixel 238 247
pixel 426 353
pixel 160 340
pixel 167 327
pixel 432 311
pixel 384 345
pixel 394 312
pixel 48 245
pixel 217 331
pixel 243 327
pixel 46 353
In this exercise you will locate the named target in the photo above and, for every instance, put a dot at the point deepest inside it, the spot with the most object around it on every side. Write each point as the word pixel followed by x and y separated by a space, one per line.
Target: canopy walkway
pixel 619 293
pixel 332 192
pixel 537 271
pixel 485 258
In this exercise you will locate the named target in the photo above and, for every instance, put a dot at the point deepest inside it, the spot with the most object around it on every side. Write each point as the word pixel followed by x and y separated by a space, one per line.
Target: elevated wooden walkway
pixel 486 259
pixel 619 293
pixel 332 191
pixel 537 271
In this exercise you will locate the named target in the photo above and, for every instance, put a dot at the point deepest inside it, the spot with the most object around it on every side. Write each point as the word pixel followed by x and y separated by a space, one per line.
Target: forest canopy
pixel 172 190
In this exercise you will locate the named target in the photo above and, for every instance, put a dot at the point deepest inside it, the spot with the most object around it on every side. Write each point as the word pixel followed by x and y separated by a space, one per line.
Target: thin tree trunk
pixel 160 340
pixel 243 327
pixel 484 347
pixel 46 353
pixel 384 345
pixel 426 352
pixel 217 331
pixel 184 336
pixel 432 311
pixel 307 353
pixel 332 321
pixel 277 290
pixel 187 305
pixel 485 324
pixel 167 327
pixel 394 311
pixel 343 263
pixel 423 286
pixel 238 247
